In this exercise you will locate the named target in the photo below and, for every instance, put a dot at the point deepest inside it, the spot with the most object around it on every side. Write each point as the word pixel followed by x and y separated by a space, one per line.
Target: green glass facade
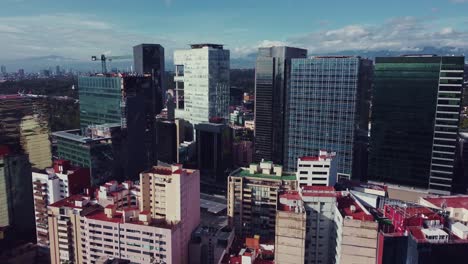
pixel 100 99
pixel 415 115
pixel 97 155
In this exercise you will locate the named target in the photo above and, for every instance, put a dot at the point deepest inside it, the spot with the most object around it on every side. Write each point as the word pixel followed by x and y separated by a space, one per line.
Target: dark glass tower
pixel 149 59
pixel 328 108
pixel 415 116
pixel 271 71
pixel 131 101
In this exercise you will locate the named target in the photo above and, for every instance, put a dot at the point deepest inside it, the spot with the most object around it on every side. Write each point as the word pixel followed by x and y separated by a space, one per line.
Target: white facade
pixel 318 170
pixel 202 83
pixel 320 205
pixel 48 187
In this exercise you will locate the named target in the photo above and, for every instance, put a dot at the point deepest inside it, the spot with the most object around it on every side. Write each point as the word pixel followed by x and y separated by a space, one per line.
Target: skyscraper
pixel 3 69
pixel 149 59
pixel 326 106
pixel 271 71
pixel 202 83
pixel 129 100
pixel 415 116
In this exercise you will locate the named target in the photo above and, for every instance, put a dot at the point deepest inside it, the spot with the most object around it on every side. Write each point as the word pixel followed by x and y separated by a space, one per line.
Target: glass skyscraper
pixel 271 72
pixel 100 99
pixel 327 106
pixel 202 83
pixel 415 116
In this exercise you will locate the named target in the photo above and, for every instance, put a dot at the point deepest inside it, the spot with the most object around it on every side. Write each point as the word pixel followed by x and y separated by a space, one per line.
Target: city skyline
pixel 74 30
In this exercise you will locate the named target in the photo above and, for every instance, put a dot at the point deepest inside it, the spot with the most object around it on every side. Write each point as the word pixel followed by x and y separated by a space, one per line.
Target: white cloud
pixel 69 35
pixel 405 33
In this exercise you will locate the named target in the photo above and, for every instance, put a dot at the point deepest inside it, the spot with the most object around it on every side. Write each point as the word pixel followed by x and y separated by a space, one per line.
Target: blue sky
pixel 79 28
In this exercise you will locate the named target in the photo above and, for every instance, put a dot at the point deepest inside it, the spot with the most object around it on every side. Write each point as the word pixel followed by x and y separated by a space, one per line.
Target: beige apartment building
pixel 154 228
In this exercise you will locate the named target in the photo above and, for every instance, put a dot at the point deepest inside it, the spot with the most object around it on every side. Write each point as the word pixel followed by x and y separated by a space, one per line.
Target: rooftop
pixel 244 172
pixel 75 135
pixel 349 207
pixel 70 201
pixel 210 45
pixel 456 201
pixel 117 217
pixel 319 191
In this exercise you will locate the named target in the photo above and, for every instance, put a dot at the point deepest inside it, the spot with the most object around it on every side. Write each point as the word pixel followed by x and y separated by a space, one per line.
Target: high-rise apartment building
pixel 172 194
pixel 253 198
pixel 290 229
pixel 51 185
pixel 202 83
pixel 415 116
pixel 24 128
pixel 327 104
pixel 317 170
pixel 149 224
pixel 271 76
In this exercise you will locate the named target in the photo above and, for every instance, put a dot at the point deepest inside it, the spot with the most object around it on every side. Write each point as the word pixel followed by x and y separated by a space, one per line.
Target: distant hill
pixel 35 64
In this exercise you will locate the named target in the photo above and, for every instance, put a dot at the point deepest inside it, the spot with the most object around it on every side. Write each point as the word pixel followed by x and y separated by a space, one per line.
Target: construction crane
pixel 105 58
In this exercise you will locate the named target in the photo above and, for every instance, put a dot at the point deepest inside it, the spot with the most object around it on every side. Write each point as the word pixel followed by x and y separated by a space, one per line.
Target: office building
pixel 210 244
pixel 149 59
pixel 202 83
pixel 327 103
pixel 16 202
pixel 129 100
pixel 242 153
pixel 271 76
pixel 214 154
pixel 167 146
pixel 415 116
pixel 51 185
pixel 3 70
pixel 253 198
pixel 24 128
pixel 317 170
pixel 290 240
pixel 95 151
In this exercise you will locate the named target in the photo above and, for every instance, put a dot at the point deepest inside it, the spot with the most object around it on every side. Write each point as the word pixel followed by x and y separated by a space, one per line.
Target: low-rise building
pixel 320 170
pixel 456 206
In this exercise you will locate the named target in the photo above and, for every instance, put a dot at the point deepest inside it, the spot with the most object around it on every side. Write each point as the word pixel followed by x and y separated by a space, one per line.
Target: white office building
pixel 318 170
pixel 202 83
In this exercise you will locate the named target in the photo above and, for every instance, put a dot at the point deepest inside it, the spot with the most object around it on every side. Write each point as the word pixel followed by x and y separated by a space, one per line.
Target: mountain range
pixel 35 64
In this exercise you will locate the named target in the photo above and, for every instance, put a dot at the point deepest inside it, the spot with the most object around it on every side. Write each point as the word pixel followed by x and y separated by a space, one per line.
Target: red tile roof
pixel 344 205
pixel 459 201
pixel 69 201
